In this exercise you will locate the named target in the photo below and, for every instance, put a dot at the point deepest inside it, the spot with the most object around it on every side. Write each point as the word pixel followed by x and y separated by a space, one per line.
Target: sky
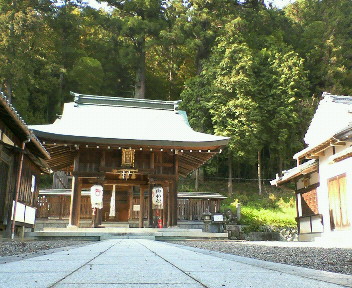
pixel 280 3
pixel 277 3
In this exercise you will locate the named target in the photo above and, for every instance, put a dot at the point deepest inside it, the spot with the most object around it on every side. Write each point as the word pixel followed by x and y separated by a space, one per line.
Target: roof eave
pixel 215 144
pixel 23 126
pixel 285 179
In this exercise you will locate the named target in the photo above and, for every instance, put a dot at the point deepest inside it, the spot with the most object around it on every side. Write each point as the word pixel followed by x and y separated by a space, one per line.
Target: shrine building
pixel 129 146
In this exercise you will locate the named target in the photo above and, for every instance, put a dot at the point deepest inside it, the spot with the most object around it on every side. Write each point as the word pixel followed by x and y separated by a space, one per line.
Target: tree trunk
pixel 171 78
pixel 139 91
pixel 229 183
pixel 280 165
pixel 196 184
pixel 259 173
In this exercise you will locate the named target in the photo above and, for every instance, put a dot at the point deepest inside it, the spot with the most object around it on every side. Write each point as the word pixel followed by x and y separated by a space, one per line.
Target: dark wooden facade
pixel 99 165
pixel 14 134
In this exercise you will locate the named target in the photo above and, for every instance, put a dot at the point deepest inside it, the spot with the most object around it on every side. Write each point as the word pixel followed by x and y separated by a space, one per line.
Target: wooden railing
pixel 58 207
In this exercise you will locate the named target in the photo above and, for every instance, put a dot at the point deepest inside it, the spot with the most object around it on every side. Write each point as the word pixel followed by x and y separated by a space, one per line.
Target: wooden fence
pixel 58 207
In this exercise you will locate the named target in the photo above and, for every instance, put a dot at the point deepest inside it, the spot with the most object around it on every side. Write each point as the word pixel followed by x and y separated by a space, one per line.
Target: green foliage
pixel 277 208
pixel 274 217
pixel 243 70
pixel 88 75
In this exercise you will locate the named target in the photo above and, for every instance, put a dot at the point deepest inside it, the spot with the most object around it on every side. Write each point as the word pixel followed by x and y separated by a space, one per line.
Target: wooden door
pixel 122 206
pixel 338 205
pixel 4 172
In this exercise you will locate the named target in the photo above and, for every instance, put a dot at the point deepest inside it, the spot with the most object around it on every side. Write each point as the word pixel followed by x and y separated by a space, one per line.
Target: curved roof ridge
pixel 83 99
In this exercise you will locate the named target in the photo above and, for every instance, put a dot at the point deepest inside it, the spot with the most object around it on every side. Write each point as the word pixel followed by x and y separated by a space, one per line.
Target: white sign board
pixel 158 197
pixel 136 208
pixel 24 213
pixel 218 218
pixel 20 210
pixel 96 196
pixel 30 215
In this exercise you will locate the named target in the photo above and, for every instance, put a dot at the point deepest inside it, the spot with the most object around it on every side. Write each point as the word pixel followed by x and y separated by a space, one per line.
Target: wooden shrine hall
pixel 129 146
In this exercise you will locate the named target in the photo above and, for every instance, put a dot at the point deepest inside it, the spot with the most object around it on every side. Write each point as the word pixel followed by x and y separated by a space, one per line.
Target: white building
pixel 323 175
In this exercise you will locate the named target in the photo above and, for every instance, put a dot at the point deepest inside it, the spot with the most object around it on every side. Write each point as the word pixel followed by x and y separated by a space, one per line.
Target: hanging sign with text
pixel 157 197
pixel 96 196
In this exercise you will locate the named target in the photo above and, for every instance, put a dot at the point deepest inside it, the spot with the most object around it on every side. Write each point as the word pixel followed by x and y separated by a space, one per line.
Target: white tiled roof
pixel 145 122
pixel 333 114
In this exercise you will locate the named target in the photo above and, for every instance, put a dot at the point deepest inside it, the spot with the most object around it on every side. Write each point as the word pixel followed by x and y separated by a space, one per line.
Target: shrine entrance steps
pixel 98 234
pixel 44 224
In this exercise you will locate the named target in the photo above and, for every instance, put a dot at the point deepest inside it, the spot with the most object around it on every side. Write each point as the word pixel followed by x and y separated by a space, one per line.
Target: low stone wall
pixel 264 233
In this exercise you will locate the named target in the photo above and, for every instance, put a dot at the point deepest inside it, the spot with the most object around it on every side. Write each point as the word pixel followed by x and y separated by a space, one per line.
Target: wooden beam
pixel 162 176
pixel 86 184
pixel 186 166
pixel 84 174
pixel 125 182
pixel 338 143
pixel 168 165
pixel 70 156
pixel 140 171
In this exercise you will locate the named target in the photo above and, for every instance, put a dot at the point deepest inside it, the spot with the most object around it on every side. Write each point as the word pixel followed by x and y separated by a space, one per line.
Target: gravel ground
pixel 337 260
pixel 23 248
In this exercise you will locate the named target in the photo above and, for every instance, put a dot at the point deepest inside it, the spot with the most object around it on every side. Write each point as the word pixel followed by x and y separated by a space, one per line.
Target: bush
pixel 277 208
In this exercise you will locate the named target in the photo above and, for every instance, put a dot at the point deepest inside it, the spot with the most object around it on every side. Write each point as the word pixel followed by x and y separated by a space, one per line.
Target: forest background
pixel 243 69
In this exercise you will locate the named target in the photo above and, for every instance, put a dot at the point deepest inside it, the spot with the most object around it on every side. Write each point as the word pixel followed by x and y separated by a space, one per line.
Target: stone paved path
pixel 145 263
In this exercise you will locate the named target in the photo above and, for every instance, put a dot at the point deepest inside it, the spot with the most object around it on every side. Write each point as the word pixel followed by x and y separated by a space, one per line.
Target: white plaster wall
pixel 313 179
pixel 327 171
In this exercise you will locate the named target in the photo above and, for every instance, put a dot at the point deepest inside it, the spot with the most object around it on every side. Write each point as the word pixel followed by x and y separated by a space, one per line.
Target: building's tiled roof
pixel 11 118
pixel 305 168
pixel 200 195
pixel 334 113
pixel 126 121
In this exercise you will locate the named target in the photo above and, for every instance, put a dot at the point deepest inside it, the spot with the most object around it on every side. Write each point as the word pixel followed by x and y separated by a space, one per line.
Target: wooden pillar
pixel 169 205
pixel 130 202
pixel 152 160
pixel 102 160
pixel 165 206
pixel 150 206
pixel 174 203
pixel 141 205
pixel 75 207
pixel 174 192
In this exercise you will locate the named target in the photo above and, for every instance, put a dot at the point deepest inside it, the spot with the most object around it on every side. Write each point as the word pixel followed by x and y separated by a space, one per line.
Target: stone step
pixel 125 233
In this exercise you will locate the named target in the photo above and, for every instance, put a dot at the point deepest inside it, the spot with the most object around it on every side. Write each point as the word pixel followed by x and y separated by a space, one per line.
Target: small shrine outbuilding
pixel 22 160
pixel 129 146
